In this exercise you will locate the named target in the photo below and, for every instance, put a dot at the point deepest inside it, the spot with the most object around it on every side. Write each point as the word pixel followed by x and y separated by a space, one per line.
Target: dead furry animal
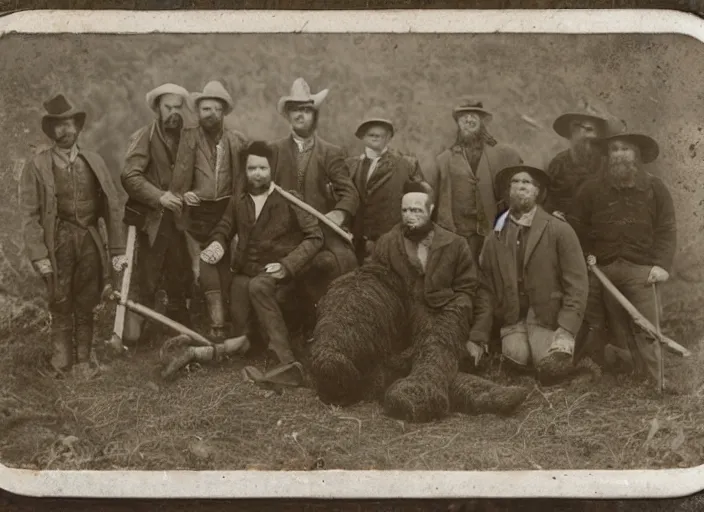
pixel 372 342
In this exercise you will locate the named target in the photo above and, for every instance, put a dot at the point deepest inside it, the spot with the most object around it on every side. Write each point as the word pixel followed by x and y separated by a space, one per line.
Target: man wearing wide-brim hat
pixel 155 207
pixel 316 169
pixel 581 161
pixel 207 167
pixel 536 279
pixel 626 224
pixel 379 174
pixel 464 178
pixel 64 191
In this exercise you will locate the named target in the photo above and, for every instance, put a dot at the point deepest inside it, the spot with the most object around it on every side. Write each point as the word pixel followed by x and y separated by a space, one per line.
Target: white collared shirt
pixel 260 200
pixel 374 156
pixel 301 143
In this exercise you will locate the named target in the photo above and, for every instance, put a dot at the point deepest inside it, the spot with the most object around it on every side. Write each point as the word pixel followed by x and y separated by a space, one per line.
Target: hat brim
pixel 458 111
pixel 562 123
pixel 503 178
pixel 152 97
pixel 649 149
pixel 367 123
pixel 49 120
pixel 199 96
pixel 315 100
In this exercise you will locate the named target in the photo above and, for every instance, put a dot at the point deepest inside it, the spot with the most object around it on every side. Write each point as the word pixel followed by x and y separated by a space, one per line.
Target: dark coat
pixel 555 277
pixel 450 280
pixel 38 203
pixel 380 197
pixel 451 164
pixel 327 187
pixel 283 233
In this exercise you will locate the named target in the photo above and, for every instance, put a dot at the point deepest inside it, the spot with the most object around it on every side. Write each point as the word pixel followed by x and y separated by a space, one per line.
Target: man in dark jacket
pixel 276 243
pixel 626 223
pixel 379 175
pixel 536 278
pixel 64 190
pixel 316 169
pixel 207 166
pixel 147 179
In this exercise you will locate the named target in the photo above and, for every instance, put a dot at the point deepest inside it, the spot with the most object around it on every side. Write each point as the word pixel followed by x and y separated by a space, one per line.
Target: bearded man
pixel 467 199
pixel 316 169
pixel 207 165
pixel 536 277
pixel 64 191
pixel 626 223
pixel 155 209
pixel 569 169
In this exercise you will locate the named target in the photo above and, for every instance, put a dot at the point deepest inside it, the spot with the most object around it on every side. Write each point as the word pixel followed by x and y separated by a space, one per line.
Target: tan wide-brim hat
pixel 373 121
pixel 563 123
pixel 471 105
pixel 214 91
pixel 649 149
pixel 58 108
pixel 152 97
pixel 300 93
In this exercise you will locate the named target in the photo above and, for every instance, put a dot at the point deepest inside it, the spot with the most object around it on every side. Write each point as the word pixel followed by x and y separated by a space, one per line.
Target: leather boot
pixel 62 342
pixel 216 310
pixel 591 344
pixel 84 336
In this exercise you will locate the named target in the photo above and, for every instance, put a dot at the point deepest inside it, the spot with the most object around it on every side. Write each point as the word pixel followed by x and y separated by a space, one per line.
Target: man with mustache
pixel 206 167
pixel 536 277
pixel 276 242
pixel 305 162
pixel 467 200
pixel 626 223
pixel 155 209
pixel 573 166
pixel 64 191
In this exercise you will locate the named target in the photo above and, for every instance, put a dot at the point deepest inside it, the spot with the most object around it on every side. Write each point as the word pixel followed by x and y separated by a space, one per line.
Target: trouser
pixel 528 342
pixel 263 294
pixel 316 279
pixel 165 263
pixel 76 294
pixel 632 281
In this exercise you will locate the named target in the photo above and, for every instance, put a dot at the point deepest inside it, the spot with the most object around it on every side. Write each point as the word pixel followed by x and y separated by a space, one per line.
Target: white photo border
pixel 387 484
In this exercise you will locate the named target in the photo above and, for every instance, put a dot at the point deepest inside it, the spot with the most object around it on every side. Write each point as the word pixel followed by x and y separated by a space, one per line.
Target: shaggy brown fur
pixel 361 350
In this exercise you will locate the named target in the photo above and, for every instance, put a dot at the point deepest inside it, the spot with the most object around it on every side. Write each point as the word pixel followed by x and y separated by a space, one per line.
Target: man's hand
pixel 337 216
pixel 119 262
pixel 591 260
pixel 658 275
pixel 476 351
pixel 213 253
pixel 170 201
pixel 191 198
pixel 43 266
pixel 275 270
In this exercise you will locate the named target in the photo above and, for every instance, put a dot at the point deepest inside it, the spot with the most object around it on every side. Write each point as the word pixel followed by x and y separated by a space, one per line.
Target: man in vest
pixel 147 179
pixel 65 189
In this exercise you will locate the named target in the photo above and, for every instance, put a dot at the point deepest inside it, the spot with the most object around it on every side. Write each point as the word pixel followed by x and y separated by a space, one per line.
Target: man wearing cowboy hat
pixel 148 180
pixel 626 223
pixel 467 200
pixel 65 189
pixel 316 169
pixel 207 164
pixel 582 160
pixel 379 175
pixel 536 277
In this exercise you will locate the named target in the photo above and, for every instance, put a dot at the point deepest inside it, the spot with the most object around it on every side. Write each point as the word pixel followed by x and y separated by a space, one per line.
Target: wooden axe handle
pixel 119 326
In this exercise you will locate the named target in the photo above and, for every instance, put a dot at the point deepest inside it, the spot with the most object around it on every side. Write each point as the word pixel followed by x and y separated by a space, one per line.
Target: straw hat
pixel 214 91
pixel 153 96
pixel 300 93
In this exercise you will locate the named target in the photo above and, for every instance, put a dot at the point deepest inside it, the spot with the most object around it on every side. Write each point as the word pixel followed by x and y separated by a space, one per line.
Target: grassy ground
pixel 210 418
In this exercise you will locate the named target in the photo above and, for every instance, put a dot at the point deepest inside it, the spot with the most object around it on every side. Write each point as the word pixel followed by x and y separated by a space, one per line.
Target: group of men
pixel 216 209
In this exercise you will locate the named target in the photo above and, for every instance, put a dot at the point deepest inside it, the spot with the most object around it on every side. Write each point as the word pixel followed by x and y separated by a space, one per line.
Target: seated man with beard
pixel 626 224
pixel 537 280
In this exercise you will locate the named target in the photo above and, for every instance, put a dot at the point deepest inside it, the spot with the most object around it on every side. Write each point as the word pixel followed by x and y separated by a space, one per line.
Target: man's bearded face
pixel 623 160
pixel 65 133
pixel 377 137
pixel 210 114
pixel 470 125
pixel 583 135
pixel 302 118
pixel 523 194
pixel 416 209
pixel 170 112
pixel 258 174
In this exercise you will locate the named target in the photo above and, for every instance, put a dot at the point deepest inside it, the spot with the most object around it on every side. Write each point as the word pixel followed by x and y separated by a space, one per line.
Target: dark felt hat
pixel 58 108
pixel 562 124
pixel 649 149
pixel 503 178
pixel 471 105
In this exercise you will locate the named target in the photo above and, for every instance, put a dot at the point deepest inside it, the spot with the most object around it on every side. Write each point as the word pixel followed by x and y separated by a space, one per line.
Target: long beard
pixel 417 233
pixel 172 124
pixel 211 126
pixel 520 203
pixel 623 172
pixel 585 153
pixel 473 139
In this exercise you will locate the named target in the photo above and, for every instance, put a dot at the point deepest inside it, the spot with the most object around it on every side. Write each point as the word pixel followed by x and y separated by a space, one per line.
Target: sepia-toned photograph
pixel 351 251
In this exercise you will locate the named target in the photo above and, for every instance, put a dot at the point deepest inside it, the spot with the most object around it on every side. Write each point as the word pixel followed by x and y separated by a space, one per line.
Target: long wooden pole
pixel 308 208
pixel 661 355
pixel 126 280
pixel 637 317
